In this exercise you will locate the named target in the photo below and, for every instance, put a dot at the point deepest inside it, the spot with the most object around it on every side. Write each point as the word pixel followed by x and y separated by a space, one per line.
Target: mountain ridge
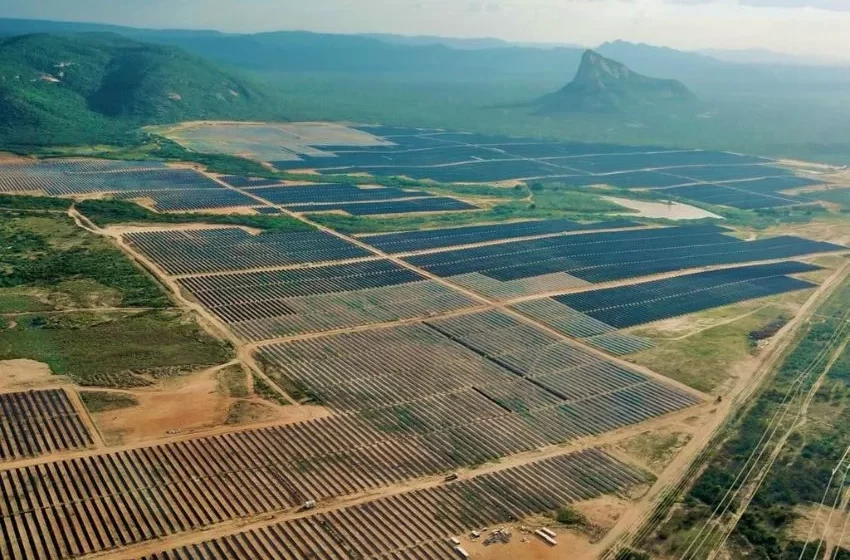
pixel 602 85
pixel 81 85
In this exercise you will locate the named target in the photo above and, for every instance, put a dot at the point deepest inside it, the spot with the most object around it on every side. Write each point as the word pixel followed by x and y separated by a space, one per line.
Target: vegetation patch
pixel 554 198
pixel 84 293
pixel 244 412
pixel 500 213
pixel 266 391
pixel 19 301
pixel 114 85
pixel 569 517
pixel 104 401
pixel 112 350
pixel 703 360
pixel 46 251
pixel 44 203
pixel 233 381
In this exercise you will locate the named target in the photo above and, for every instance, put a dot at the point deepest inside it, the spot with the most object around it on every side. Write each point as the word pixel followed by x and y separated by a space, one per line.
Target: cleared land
pixel 668 211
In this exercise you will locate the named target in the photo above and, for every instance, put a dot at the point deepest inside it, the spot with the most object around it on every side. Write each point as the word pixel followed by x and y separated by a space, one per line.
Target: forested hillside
pixel 63 89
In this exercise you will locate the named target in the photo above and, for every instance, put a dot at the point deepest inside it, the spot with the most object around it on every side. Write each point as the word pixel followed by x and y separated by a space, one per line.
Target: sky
pixel 808 28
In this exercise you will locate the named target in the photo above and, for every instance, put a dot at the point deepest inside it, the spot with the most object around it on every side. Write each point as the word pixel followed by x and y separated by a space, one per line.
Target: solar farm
pixel 717 178
pixel 430 382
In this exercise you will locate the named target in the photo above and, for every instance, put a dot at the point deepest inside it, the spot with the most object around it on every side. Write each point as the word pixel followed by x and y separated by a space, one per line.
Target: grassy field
pixel 104 401
pixel 118 350
pixel 67 299
pixel 49 252
pixel 542 204
pixel 705 360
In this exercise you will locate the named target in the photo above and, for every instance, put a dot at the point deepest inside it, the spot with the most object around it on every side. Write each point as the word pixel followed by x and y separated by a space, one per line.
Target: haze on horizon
pixel 808 28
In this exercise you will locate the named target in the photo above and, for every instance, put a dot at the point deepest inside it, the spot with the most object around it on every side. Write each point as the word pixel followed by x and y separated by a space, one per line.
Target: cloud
pixel 836 5
pixel 479 7
pixel 833 5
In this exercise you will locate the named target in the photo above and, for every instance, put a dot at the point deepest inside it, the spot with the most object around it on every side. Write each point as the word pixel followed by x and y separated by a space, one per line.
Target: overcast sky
pixel 804 27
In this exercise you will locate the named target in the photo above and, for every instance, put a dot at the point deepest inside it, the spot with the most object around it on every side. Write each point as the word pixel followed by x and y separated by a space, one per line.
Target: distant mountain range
pixel 602 85
pixel 451 59
pixel 76 83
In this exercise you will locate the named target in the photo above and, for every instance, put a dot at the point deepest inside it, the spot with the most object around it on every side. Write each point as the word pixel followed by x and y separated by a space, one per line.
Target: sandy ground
pixel 23 375
pixel 601 513
pixel 8 159
pixel 827 523
pixel 808 165
pixel 669 211
pixel 192 404
pixel 186 405
pixel 528 547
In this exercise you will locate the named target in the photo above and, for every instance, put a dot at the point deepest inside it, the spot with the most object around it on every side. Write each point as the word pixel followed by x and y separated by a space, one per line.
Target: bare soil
pixel 192 404
pixel 602 512
pixel 23 375
pixel 669 211
pixel 574 543
pixel 529 547
pixel 812 524
pixel 184 405
pixel 655 449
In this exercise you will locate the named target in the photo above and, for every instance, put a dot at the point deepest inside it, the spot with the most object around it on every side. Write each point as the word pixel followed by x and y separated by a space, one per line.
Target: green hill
pixel 71 89
pixel 602 85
